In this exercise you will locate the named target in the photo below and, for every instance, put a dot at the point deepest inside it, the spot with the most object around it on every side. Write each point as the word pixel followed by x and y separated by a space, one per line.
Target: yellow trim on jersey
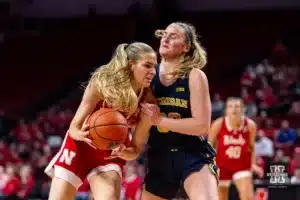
pixel 211 146
pixel 216 173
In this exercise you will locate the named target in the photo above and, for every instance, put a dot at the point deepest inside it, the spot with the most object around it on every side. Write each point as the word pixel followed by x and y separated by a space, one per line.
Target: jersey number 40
pixel 233 152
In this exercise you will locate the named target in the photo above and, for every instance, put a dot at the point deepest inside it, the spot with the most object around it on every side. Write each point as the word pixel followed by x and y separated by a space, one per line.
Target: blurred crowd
pixel 271 93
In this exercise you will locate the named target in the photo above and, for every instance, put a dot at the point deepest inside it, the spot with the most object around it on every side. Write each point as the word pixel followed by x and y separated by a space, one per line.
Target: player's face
pixel 234 108
pixel 172 43
pixel 144 69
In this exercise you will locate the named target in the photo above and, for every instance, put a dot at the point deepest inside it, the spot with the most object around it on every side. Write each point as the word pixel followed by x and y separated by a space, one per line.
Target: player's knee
pixel 113 189
pixel 245 195
pixel 61 189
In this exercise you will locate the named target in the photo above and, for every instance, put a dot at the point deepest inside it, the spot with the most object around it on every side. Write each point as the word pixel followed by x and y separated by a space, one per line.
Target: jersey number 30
pixel 170 115
pixel 233 152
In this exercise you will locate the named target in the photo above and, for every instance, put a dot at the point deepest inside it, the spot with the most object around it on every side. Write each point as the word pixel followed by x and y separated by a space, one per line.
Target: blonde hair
pixel 113 80
pixel 196 56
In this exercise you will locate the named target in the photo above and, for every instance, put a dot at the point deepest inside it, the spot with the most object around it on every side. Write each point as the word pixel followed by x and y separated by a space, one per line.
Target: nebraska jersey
pixel 233 152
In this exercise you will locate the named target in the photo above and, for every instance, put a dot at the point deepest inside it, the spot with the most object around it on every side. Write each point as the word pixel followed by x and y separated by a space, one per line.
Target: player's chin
pixel 147 83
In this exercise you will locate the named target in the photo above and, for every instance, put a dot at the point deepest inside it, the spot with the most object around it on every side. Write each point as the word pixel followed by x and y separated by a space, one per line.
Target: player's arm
pixel 87 105
pixel 199 123
pixel 252 130
pixel 214 131
pixel 139 138
pixel 140 135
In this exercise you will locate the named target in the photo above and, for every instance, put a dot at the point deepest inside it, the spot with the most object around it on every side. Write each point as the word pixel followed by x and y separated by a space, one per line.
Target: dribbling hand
pixel 82 134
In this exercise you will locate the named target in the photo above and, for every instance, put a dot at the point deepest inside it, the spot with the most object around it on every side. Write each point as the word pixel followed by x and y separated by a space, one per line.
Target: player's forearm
pixel 79 117
pixel 188 126
pixel 84 110
pixel 131 153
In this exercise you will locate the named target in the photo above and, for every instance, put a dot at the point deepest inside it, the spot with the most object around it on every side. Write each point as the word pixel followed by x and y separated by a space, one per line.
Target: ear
pixel 130 65
pixel 186 48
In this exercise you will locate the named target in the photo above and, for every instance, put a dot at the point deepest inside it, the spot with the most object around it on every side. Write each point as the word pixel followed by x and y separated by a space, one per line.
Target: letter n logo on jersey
pixel 67 157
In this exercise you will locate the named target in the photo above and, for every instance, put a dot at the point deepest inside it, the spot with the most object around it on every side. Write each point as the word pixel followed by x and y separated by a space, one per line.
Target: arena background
pixel 49 48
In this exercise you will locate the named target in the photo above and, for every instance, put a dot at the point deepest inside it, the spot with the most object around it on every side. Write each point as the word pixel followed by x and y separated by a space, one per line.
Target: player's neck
pixel 235 122
pixel 170 64
pixel 136 87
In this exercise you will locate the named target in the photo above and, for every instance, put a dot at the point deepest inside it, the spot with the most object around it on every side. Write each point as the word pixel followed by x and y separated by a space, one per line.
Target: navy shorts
pixel 168 169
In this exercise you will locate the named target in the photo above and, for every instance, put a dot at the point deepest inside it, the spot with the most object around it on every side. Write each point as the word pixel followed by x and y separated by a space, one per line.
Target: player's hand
pixel 258 170
pixel 123 152
pixel 152 112
pixel 117 152
pixel 82 134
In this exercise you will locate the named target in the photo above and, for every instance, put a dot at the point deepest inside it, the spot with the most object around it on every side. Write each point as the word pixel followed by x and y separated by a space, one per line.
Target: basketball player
pixel 179 155
pixel 234 137
pixel 119 84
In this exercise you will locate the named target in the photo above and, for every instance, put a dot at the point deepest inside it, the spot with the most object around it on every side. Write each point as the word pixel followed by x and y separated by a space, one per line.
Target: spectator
pixel 248 77
pixel 296 178
pixel 295 109
pixel 286 136
pixel 295 162
pixel 263 145
pixel 269 130
pixel 280 158
pixel 13 184
pixel 22 132
pixel 269 99
pixel 269 69
pixel 3 179
pixel 251 109
pixel 27 181
pixel 247 98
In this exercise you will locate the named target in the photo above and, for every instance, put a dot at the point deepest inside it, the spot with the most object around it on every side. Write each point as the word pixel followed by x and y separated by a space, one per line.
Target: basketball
pixel 108 128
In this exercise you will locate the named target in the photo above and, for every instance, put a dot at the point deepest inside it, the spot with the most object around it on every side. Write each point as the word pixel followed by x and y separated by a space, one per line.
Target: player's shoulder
pixel 198 74
pixel 197 78
pixel 218 122
pixel 251 123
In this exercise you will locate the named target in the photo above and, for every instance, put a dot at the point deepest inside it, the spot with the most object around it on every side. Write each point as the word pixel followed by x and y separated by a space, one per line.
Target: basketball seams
pixel 108 138
pixel 95 126
pixel 103 114
pixel 117 124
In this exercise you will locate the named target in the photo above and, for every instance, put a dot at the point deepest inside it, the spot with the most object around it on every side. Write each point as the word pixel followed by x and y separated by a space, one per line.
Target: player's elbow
pixel 137 151
pixel 202 129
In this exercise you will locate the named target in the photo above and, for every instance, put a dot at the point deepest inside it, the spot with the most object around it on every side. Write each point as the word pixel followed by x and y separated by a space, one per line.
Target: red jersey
pixel 233 151
pixel 71 163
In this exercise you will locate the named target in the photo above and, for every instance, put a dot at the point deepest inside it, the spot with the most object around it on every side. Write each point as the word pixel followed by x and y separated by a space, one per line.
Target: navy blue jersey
pixel 174 102
pixel 172 157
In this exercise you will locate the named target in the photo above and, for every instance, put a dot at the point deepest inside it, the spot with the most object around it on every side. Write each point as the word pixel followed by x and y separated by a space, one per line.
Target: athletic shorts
pixel 168 169
pixel 76 161
pixel 226 175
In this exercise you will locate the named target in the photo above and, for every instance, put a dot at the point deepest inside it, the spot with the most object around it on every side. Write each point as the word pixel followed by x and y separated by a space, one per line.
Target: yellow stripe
pixel 216 173
pixel 211 146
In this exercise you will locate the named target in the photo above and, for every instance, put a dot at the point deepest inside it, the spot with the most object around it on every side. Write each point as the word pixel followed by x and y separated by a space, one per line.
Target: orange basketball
pixel 108 128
